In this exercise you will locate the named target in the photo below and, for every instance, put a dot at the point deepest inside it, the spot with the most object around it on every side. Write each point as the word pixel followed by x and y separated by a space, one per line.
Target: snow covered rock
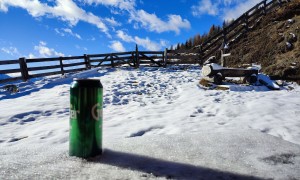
pixel 290 21
pixel 292 38
pixel 289 46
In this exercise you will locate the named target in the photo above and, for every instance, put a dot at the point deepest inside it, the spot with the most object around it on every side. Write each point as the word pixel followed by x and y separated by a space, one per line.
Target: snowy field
pixel 158 124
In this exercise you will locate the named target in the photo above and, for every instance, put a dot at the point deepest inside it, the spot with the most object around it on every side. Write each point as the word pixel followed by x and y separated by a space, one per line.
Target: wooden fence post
pixel 165 57
pixel 112 61
pixel 279 2
pixel 87 61
pixel 23 68
pixel 137 59
pixel 61 65
pixel 133 58
pixel 246 22
pixel 265 7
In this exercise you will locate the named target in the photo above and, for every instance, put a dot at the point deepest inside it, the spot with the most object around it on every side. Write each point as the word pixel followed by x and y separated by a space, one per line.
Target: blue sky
pixel 50 28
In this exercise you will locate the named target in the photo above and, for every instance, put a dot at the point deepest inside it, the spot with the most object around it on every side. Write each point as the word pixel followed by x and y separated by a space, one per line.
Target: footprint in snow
pixel 198 110
pixel 144 131
pixel 17 138
pixel 25 117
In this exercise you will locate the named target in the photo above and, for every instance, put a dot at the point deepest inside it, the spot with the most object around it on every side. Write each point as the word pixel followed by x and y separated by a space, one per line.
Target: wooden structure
pixel 215 73
pixel 38 67
pixel 236 29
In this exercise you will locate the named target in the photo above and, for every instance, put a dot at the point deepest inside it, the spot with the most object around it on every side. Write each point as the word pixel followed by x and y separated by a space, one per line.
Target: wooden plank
pixel 99 60
pixel 254 19
pixel 236 22
pixel 43 68
pixel 212 38
pixel 152 60
pixel 6 62
pixel 212 44
pixel 121 53
pixel 234 26
pixel 120 58
pixel 254 7
pixel 97 55
pixel 8 71
pixel 208 54
pixel 257 13
pixel 271 5
pixel 233 35
pixel 42 60
pixel 72 57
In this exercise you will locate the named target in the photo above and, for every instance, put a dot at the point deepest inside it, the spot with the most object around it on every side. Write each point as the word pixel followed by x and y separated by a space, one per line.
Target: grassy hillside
pixel 274 43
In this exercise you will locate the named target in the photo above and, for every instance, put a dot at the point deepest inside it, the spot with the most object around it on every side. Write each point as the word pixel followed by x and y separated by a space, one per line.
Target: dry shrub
pixel 221 88
pixel 205 83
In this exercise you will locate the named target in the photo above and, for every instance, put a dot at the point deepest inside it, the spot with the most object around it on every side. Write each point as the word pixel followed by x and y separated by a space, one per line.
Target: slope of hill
pixel 273 43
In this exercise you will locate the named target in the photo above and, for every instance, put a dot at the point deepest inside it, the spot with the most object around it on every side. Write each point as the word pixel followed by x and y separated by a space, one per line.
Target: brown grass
pixel 266 44
pixel 205 83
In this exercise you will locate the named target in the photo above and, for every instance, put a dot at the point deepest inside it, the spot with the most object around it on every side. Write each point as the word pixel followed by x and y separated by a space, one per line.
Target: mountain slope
pixel 273 43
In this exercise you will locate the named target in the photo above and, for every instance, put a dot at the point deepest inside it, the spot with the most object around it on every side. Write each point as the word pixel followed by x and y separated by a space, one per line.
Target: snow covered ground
pixel 158 123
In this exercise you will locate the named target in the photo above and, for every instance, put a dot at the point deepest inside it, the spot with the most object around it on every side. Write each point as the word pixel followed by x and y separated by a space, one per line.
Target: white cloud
pixel 81 48
pixel 117 46
pixel 147 43
pixel 225 9
pixel 144 42
pixel 153 23
pixel 62 32
pixel 205 7
pixel 112 22
pixel 59 32
pixel 239 9
pixel 65 10
pixel 69 31
pixel 45 51
pixel 13 51
pixel 121 4
pixel 125 37
pixel 31 56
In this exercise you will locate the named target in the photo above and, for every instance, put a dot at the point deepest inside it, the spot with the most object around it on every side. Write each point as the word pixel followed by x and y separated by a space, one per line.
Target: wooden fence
pixel 39 67
pixel 232 32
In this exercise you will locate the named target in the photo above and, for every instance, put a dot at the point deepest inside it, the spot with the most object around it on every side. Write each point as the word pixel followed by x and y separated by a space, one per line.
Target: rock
pixel 290 21
pixel 289 46
pixel 292 38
